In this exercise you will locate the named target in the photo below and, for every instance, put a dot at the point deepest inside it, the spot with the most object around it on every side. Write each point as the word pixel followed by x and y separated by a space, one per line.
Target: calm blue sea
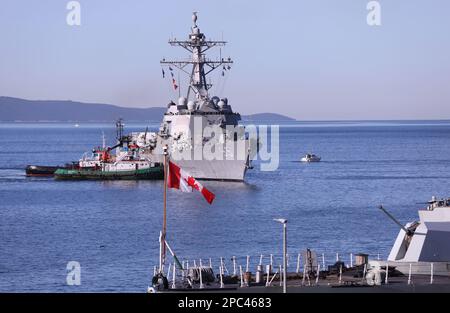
pixel 111 228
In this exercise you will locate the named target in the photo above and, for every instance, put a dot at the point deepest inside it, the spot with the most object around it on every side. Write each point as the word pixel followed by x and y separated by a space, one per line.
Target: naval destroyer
pixel 202 133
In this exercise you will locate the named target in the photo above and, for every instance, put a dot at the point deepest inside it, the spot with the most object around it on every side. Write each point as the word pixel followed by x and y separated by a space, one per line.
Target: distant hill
pixel 269 117
pixel 15 109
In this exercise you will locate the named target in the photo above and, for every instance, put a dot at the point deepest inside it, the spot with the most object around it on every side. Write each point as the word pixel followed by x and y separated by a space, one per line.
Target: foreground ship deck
pixel 398 285
pixel 418 262
pixel 331 284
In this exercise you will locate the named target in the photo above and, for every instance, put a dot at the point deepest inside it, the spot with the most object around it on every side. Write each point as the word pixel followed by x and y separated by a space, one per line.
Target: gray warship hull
pixel 231 170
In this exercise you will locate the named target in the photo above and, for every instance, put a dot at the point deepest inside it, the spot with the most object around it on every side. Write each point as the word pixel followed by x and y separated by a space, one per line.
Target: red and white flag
pixel 180 179
pixel 174 83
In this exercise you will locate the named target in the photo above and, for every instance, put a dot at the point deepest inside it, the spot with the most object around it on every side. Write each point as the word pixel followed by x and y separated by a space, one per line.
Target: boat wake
pixel 12 173
pixel 18 168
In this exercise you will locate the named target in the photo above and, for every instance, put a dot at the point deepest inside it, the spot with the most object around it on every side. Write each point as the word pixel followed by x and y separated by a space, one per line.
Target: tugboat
pixel 310 158
pixel 126 163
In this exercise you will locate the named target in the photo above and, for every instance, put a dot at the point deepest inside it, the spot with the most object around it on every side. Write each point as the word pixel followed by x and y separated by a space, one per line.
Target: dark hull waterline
pixel 41 171
pixel 152 173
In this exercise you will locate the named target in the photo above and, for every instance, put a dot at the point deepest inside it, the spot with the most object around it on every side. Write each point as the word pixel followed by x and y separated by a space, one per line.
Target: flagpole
pixel 163 234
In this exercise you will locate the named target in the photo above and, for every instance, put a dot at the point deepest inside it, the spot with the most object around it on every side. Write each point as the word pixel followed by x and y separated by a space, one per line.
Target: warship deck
pixel 419 284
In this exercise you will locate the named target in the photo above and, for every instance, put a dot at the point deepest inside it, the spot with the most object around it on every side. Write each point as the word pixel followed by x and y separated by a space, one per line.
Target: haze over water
pixel 112 228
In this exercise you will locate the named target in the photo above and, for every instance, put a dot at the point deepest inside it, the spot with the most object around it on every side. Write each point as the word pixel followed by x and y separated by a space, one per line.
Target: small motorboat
pixel 310 158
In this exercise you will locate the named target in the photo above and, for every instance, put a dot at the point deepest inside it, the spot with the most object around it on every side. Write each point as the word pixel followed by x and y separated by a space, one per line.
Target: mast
pixel 119 129
pixel 103 140
pixel 162 237
pixel 197 45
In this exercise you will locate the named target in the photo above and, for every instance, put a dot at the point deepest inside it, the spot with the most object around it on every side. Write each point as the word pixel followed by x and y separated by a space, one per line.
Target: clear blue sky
pixel 311 59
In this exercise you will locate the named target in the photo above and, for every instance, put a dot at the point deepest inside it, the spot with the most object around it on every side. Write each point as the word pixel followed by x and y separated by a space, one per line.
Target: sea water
pixel 111 228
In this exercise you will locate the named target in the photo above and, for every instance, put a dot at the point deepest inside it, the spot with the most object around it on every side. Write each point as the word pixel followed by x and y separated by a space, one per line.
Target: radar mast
pixel 197 45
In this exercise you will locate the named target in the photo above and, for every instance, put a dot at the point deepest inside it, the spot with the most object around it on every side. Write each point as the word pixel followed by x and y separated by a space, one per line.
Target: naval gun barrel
pixel 409 232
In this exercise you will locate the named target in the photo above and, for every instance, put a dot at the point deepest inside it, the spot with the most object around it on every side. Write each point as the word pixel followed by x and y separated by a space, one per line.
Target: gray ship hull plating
pixel 423 246
pixel 230 170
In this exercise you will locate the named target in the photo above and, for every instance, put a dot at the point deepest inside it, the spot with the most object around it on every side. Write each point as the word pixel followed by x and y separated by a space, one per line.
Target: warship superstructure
pixel 200 123
pixel 426 240
pixel 424 245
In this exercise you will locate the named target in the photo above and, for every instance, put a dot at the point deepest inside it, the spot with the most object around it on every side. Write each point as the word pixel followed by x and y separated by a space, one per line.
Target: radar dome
pixel 182 101
pixel 191 105
pixel 221 104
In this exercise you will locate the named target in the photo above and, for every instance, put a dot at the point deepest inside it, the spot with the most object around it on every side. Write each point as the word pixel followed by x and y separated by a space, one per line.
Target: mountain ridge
pixel 17 109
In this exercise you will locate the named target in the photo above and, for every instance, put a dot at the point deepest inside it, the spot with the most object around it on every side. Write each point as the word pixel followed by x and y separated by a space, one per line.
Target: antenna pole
pixel 119 129
pixel 164 227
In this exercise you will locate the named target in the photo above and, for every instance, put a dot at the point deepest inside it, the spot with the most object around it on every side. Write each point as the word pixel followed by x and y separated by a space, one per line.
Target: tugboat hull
pixel 37 170
pixel 152 173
